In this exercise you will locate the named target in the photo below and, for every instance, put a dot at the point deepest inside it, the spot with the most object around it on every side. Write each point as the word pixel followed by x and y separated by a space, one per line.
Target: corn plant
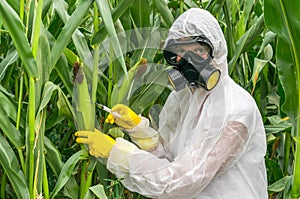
pixel 287 57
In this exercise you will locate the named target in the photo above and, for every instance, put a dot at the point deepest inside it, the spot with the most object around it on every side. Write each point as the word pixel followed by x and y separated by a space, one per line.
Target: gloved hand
pixel 99 143
pixel 128 120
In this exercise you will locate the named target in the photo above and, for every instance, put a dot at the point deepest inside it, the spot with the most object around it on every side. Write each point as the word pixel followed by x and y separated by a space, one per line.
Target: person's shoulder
pixel 238 92
pixel 240 99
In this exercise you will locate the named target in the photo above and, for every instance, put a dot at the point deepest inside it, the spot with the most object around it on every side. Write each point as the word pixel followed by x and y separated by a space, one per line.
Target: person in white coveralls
pixel 211 140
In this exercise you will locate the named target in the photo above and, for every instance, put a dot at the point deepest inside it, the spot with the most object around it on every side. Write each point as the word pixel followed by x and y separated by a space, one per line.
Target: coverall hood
pixel 195 22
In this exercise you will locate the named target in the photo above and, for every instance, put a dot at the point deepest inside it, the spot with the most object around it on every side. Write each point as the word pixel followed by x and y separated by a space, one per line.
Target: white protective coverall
pixel 211 144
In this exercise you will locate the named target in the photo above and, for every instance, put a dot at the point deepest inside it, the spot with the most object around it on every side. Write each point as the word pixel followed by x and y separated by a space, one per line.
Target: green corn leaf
pixel 64 73
pixel 83 49
pixel 116 13
pixel 64 107
pixel 268 38
pixel 17 32
pixel 10 131
pixel 78 39
pixel 279 185
pixel 71 56
pixel 214 6
pixel 67 170
pixel 154 115
pixel 68 30
pixel 43 58
pixel 277 128
pixel 140 12
pixel 36 27
pixel 105 12
pixel 15 4
pixel 274 169
pixel 122 90
pixel 53 158
pixel 43 65
pixel 245 41
pixel 48 90
pixel 259 64
pixel 99 191
pixel 60 7
pixel 154 87
pixel 40 120
pixel 7 61
pixel 11 166
pixel 244 17
pixel 10 106
pixel 164 12
pixel 46 7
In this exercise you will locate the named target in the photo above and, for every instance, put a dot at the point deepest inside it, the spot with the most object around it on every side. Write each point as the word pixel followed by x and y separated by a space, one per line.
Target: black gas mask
pixel 191 59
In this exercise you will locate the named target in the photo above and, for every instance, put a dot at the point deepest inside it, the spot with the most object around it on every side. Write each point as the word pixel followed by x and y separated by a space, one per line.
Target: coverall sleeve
pixel 147 139
pixel 144 136
pixel 187 175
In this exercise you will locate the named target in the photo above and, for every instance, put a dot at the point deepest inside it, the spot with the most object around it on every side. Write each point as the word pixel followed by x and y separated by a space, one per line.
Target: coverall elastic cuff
pixel 119 155
pixel 142 125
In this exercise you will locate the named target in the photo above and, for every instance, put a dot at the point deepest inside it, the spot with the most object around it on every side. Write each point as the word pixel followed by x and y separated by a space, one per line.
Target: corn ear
pixel 84 109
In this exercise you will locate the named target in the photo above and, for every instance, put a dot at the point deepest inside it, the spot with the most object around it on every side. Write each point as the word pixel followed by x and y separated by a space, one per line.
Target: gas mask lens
pixel 172 58
pixel 192 58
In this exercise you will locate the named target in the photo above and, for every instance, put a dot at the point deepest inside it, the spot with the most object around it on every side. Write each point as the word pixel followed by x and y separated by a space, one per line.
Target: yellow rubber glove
pixel 99 143
pixel 128 119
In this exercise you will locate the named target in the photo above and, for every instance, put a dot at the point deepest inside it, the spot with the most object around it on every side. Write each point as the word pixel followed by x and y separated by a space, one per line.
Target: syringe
pixel 105 108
